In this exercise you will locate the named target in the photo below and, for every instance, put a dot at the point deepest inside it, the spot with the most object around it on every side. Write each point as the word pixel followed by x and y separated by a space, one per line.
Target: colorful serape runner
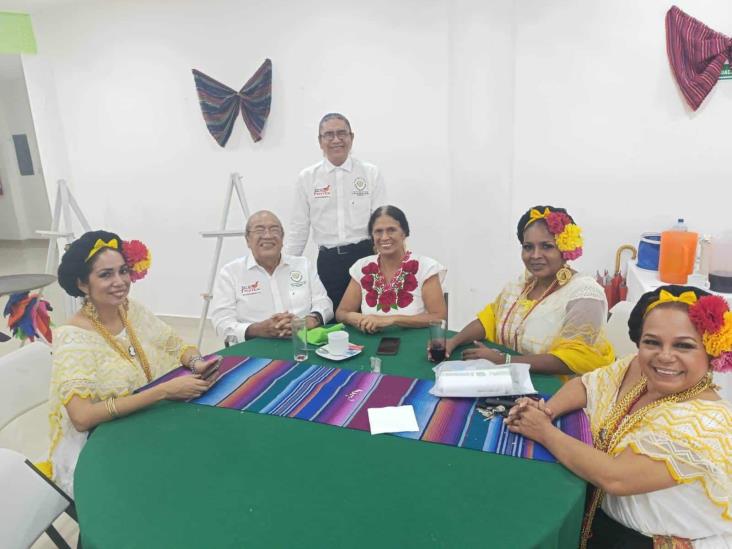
pixel 220 104
pixel 341 397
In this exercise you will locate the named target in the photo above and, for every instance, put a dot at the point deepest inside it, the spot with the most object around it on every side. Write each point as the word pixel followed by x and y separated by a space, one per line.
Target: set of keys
pixel 490 412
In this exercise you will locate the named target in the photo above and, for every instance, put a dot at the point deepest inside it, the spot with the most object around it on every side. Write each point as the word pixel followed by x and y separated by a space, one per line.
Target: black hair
pixel 74 267
pixel 521 227
pixel 637 315
pixel 391 211
pixel 332 115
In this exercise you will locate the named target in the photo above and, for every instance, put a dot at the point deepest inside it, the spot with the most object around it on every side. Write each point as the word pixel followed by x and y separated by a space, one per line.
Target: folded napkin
pixel 319 335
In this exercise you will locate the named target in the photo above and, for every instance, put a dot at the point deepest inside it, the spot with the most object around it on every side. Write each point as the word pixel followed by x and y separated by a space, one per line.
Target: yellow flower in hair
pixel 569 239
pixel 720 341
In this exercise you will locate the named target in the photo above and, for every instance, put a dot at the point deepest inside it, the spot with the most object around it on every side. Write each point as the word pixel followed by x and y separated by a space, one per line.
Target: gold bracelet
pixel 111 407
pixel 114 407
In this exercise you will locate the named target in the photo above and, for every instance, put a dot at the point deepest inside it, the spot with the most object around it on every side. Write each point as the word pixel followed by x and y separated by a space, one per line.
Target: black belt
pixel 345 249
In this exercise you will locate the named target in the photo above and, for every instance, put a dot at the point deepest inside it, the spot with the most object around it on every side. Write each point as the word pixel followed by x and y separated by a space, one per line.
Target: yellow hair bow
pixel 536 215
pixel 665 296
pixel 100 244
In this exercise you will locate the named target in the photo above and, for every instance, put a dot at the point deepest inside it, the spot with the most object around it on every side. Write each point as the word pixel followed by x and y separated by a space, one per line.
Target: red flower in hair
pixel 138 258
pixel 707 314
pixel 370 268
pixel 556 221
pixel 723 363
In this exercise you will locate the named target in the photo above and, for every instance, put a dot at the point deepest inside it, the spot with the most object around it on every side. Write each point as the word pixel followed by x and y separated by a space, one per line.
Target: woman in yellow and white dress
pixel 662 456
pixel 108 349
pixel 554 317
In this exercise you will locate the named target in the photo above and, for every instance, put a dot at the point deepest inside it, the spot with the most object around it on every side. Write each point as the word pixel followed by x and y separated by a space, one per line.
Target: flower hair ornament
pixel 567 234
pixel 712 318
pixel 138 258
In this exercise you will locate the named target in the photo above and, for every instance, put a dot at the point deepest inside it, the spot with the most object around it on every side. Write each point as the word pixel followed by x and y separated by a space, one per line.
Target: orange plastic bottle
pixel 678 251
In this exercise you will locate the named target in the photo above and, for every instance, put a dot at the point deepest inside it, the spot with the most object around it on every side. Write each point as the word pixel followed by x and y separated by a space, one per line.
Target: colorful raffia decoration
pixel 28 317
pixel 567 235
pixel 138 258
pixel 713 319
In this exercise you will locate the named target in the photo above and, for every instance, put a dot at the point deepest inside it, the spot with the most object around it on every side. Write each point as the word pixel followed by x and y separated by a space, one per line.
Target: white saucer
pixel 353 350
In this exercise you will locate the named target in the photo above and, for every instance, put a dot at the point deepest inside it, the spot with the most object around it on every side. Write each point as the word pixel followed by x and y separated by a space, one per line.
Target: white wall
pixel 474 110
pixel 144 164
pixel 602 129
pixel 24 206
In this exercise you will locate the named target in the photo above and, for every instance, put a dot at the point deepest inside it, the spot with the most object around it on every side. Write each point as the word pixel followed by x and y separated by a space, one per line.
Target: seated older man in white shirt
pixel 259 294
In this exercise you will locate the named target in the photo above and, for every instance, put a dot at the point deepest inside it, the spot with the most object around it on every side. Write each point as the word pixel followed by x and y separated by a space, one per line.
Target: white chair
pixel 29 503
pixel 617 329
pixel 26 375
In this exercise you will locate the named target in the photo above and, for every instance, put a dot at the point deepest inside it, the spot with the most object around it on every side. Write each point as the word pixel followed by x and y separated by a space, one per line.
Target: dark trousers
pixel 333 265
pixel 609 534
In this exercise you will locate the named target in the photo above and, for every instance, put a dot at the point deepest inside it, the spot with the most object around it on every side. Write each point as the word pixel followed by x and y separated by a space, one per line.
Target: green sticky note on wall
pixel 16 33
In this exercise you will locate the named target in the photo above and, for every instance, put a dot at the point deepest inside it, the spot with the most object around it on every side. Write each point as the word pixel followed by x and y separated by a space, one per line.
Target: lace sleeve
pixel 581 342
pixel 157 332
pixel 694 440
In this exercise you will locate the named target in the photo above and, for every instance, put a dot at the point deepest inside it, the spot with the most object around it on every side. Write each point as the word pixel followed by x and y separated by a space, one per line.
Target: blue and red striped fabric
pixel 696 53
pixel 220 104
pixel 341 397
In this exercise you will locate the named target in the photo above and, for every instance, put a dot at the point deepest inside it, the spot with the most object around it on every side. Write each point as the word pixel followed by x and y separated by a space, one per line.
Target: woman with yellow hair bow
pixel 662 458
pixel 554 317
pixel 111 347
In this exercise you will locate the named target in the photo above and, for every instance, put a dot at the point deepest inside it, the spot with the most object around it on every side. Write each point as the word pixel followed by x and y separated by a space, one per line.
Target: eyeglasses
pixel 330 136
pixel 261 231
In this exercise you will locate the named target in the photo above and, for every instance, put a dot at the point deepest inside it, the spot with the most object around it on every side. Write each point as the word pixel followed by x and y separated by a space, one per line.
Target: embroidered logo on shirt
pixel 296 279
pixel 251 289
pixel 322 192
pixel 359 187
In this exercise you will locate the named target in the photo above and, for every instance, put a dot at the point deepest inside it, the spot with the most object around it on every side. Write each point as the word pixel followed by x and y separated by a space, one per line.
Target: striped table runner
pixel 341 397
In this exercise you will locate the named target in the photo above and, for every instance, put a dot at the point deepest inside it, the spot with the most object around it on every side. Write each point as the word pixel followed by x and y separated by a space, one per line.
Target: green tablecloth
pixel 181 475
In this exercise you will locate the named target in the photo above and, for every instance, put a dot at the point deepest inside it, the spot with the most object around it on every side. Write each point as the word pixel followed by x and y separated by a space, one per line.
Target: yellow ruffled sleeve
pixel 694 440
pixel 581 342
pixel 487 318
pixel 157 332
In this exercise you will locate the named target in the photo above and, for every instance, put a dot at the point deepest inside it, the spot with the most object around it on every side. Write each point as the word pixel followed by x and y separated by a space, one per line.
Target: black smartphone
pixel 388 346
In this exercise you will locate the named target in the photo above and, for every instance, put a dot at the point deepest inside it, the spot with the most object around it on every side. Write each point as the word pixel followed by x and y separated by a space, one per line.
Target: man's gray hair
pixel 332 115
pixel 248 226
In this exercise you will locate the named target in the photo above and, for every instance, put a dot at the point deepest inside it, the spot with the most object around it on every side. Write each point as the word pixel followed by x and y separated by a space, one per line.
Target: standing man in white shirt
pixel 336 197
pixel 259 294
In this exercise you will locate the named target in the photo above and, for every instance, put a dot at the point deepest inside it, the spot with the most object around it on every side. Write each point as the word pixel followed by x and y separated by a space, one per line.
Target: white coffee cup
pixel 338 342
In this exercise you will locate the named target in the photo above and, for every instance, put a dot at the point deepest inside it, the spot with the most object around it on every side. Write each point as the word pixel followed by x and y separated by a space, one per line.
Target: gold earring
pixel 563 275
pixel 89 310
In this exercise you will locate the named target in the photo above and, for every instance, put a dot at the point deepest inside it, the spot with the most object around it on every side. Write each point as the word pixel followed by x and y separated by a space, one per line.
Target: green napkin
pixel 319 335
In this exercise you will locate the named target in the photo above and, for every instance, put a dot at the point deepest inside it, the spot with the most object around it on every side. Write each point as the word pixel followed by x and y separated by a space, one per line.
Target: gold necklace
pixel 513 311
pixel 618 423
pixel 135 348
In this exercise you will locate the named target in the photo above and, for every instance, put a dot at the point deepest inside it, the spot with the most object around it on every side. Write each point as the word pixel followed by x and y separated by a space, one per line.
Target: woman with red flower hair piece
pixel 661 460
pixel 109 348
pixel 553 316
pixel 394 287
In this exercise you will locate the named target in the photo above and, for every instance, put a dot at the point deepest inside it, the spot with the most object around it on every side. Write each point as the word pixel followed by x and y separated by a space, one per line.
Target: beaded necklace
pixel 135 347
pixel 513 311
pixel 619 422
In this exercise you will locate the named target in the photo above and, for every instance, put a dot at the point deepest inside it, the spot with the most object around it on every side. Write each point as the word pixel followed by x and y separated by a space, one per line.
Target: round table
pixel 181 475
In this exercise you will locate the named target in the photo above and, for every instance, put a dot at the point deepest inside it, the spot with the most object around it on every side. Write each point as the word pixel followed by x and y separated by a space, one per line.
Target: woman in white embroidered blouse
pixel 394 287
pixel 662 456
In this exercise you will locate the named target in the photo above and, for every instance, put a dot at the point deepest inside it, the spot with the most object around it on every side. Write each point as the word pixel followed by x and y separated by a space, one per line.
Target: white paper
pixel 481 378
pixel 392 419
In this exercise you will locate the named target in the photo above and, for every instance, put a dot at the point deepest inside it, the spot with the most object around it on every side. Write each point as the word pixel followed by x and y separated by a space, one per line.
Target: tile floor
pixel 29 434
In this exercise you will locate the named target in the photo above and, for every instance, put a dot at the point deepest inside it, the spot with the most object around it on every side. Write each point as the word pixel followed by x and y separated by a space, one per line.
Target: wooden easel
pixel 64 205
pixel 235 185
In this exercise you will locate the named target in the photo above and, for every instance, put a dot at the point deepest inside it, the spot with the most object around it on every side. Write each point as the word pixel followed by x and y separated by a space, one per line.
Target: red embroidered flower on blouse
pixel 395 295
